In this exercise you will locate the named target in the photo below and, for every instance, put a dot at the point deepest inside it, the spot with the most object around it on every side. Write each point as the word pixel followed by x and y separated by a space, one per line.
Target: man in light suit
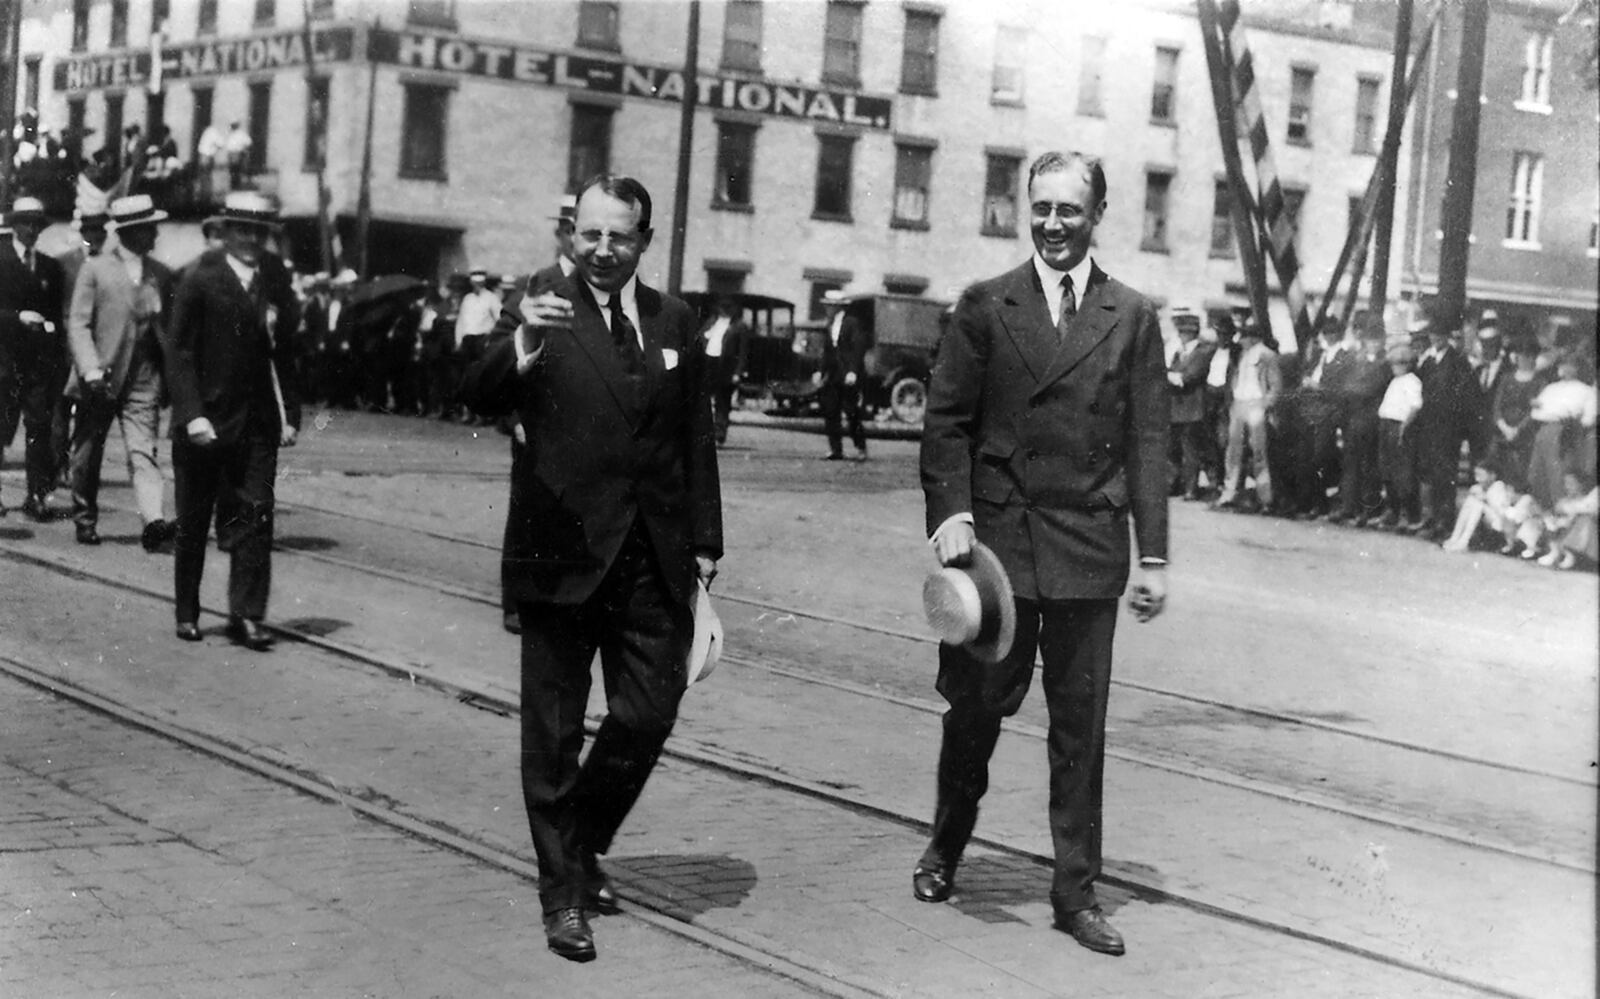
pixel 33 348
pixel 230 367
pixel 121 298
pixel 618 513
pixel 1046 428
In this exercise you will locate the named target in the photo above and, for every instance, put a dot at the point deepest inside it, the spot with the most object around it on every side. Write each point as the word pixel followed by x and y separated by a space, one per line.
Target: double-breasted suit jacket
pixel 1051 442
pixel 223 346
pixel 102 327
pixel 604 450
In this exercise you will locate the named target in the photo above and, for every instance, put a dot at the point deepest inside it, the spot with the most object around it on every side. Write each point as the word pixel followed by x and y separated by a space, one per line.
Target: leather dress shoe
pixel 157 533
pixel 567 933
pixel 1091 929
pixel 933 882
pixel 36 508
pixel 250 634
pixel 87 535
pixel 188 631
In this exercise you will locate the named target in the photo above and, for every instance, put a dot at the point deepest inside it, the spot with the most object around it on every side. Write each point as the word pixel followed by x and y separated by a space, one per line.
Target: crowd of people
pixel 1375 429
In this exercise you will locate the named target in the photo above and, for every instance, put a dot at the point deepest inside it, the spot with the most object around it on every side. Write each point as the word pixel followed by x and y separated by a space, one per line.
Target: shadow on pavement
pixel 687 885
pixel 305 543
pixel 315 627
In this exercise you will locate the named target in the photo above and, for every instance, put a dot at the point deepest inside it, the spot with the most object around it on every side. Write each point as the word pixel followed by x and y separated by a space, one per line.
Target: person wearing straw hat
pixel 230 368
pixel 619 521
pixel 90 219
pixel 1046 431
pixel 33 351
pixel 119 303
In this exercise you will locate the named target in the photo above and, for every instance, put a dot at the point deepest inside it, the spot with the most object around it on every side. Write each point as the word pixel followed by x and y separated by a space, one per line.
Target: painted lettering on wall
pixel 213 57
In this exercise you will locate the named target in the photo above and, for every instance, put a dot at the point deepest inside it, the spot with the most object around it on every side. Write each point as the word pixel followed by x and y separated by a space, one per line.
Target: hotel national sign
pixel 515 64
pixel 204 57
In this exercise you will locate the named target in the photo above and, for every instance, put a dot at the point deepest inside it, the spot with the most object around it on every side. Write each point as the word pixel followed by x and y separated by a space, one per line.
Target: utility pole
pixel 11 13
pixel 1390 163
pixel 1462 174
pixel 364 196
pixel 680 199
pixel 324 226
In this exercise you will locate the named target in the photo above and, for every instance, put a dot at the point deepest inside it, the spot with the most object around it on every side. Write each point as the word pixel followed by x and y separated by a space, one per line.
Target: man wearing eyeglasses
pixel 616 514
pixel 1046 430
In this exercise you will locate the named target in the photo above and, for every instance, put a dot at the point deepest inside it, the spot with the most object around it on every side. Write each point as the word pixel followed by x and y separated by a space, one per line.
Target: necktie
pixel 31 268
pixel 625 338
pixel 1069 306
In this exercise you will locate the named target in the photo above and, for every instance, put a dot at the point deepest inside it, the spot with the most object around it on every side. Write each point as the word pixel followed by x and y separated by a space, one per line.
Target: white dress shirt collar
pixel 244 271
pixel 1050 278
pixel 630 304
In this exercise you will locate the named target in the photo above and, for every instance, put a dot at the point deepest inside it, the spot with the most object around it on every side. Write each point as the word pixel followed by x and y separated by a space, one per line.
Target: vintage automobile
pixel 902 336
pixel 769 353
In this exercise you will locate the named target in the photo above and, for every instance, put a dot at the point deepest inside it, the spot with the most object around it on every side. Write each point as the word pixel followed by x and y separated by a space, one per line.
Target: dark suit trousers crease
pixel 841 410
pixel 31 379
pixel 643 637
pixel 1075 638
pixel 234 481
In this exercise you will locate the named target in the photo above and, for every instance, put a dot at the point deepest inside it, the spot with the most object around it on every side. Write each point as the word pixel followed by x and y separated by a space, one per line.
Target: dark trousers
pixel 841 404
pixel 1439 462
pixel 1075 638
pixel 235 482
pixel 1360 482
pixel 643 637
pixel 31 381
pixel 1397 455
pixel 722 409
pixel 1194 447
pixel 508 605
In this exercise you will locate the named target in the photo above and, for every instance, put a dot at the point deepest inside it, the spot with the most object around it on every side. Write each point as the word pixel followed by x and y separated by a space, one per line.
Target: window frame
pixel 1009 40
pixel 259 122
pixel 908 151
pixel 1367 115
pixel 836 141
pixel 265 14
pixel 314 158
pixel 993 158
pixel 1526 207
pixel 80 25
pixel 727 128
pixel 1538 58
pixel 431 13
pixel 119 24
pixel 609 38
pixel 1296 195
pixel 1222 194
pixel 1300 111
pixel 206 17
pixel 744 46
pixel 438 117
pixel 1160 240
pixel 919 67
pixel 1166 57
pixel 843 48
pixel 1091 76
pixel 602 114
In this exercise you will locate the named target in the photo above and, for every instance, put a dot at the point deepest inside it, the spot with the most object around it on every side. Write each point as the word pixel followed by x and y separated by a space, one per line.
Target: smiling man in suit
pixel 230 369
pixel 617 512
pixel 1046 429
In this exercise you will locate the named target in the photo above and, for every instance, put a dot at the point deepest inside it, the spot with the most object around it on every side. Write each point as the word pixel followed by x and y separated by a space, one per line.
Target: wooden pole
pixel 364 197
pixel 324 226
pixel 1399 99
pixel 680 199
pixel 1462 174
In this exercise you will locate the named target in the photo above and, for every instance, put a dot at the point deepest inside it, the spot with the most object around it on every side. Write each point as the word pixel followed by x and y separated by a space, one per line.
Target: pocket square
pixel 669 358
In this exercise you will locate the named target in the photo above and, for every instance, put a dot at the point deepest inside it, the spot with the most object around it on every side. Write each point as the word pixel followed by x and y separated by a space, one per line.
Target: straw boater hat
pixel 706 648
pixel 248 208
pixel 566 209
pixel 26 209
pixel 974 606
pixel 135 209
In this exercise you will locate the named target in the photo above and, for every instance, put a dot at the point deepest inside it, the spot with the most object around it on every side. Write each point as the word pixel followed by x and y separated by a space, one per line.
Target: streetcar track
pixel 1253 713
pixel 826 981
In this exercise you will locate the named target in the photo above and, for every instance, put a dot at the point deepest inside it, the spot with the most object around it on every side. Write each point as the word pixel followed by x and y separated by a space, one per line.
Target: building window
pixel 425 134
pixel 1366 136
pixel 113 136
pixel 919 59
pixel 1527 190
pixel 736 153
pixel 1536 72
pixel 905 284
pixel 119 23
pixel 206 17
pixel 1301 82
pixel 30 84
pixel 913 174
pixel 725 280
pixel 1294 199
pixel 160 12
pixel 590 153
pixel 260 123
pixel 321 9
pixel 199 118
pixel 316 155
pixel 741 36
pixel 835 156
pixel 1000 195
pixel 1157 191
pixel 1353 216
pixel 597 24
pixel 1222 220
pixel 80 25
pixel 266 12
pixel 1164 94
pixel 841 44
pixel 76 123
pixel 431 13
pixel 1090 69
pixel 1010 58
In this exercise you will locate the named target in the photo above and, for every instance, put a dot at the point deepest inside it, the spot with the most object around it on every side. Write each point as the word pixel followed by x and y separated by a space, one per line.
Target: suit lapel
pixel 1096 318
pixel 1026 316
pixel 592 332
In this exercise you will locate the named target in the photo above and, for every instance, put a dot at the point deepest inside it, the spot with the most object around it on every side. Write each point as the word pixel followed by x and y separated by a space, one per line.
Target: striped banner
pixel 1277 227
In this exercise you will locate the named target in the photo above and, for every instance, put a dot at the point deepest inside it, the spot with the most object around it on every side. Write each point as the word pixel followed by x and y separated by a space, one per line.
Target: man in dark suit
pixel 727 341
pixel 1046 429
pixel 1360 391
pixel 844 358
pixel 618 513
pixel 1446 420
pixel 1186 381
pixel 33 348
pixel 230 368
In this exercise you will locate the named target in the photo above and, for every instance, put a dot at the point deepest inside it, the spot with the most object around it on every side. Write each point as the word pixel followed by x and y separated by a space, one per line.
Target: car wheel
pixel 908 400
